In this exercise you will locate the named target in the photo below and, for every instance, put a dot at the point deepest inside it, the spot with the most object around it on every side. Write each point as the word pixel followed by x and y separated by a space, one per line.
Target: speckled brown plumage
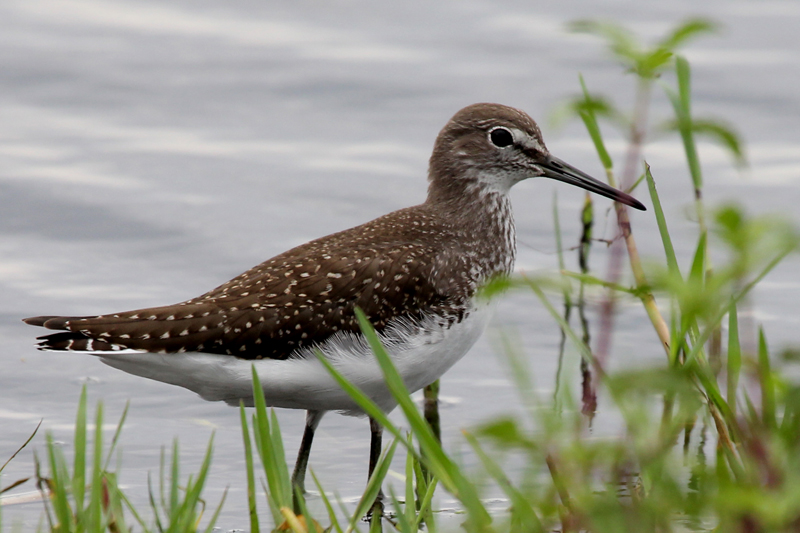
pixel 404 264
pixel 417 262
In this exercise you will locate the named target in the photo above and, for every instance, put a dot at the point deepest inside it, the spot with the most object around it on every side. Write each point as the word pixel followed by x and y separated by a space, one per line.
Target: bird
pixel 415 273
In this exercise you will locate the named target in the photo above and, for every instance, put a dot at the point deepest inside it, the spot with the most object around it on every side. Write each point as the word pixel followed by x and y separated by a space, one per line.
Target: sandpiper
pixel 413 272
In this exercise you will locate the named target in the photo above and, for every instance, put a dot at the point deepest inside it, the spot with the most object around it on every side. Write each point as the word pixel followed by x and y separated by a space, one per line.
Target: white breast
pixel 421 355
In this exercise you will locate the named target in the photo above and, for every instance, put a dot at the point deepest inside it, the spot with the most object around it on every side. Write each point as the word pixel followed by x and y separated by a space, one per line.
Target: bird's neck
pixel 481 214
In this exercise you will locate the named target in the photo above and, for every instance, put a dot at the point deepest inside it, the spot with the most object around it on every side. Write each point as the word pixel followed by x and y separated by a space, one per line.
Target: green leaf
pixel 646 62
pixel 588 113
pixel 687 30
pixel 588 279
pixel 650 64
pixel 506 432
pixel 724 135
pixel 619 39
pixel 766 382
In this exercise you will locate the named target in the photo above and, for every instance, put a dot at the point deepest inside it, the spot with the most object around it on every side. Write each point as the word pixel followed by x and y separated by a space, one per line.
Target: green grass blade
pixel 174 489
pixel 375 523
pixel 279 456
pixel 194 493
pixel 334 520
pixel 403 523
pixel 424 513
pixel 131 509
pixel 79 461
pixel 374 484
pixel 153 505
pixel 363 401
pixel 589 118
pixel 343 509
pixel 734 358
pixel 698 269
pixel 251 483
pixel 661 220
pixel 410 507
pixel 438 463
pixel 185 516
pixel 521 506
pixel 270 449
pixel 59 479
pixel 210 527
pixel 588 279
pixel 96 495
pixel 579 344
pixel 681 104
pixel 704 336
pixel 24 444
pixel 765 379
pixel 302 508
pixel 636 183
pixel 441 465
pixel 117 433
pixel 684 75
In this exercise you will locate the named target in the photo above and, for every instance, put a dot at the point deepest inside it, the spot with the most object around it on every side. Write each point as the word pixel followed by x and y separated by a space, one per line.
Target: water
pixel 152 150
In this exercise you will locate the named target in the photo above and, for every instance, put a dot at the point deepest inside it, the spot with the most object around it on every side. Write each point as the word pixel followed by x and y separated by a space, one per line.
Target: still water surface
pixel 152 150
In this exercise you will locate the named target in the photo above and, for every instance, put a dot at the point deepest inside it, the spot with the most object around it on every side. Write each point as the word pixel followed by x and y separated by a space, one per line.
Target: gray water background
pixel 152 150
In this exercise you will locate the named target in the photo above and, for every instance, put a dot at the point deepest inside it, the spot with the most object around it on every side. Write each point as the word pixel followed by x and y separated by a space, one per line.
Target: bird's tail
pixel 66 340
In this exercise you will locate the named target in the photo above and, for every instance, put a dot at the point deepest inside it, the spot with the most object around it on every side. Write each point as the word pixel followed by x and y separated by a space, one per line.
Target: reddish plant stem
pixel 632 162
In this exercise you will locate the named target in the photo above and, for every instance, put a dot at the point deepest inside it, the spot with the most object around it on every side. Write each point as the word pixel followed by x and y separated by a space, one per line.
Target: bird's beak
pixel 557 169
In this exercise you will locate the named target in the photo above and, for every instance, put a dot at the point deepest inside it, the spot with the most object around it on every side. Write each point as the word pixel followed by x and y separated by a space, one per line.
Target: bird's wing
pixel 295 300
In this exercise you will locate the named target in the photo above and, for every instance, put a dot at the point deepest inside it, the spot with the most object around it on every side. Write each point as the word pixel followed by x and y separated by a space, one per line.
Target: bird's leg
pixel 299 475
pixel 374 455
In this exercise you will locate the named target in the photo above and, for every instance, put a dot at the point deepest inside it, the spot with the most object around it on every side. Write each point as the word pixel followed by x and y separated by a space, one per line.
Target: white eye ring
pixel 501 137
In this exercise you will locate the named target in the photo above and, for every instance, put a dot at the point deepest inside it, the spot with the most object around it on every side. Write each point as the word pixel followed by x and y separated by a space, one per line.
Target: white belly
pixel 303 382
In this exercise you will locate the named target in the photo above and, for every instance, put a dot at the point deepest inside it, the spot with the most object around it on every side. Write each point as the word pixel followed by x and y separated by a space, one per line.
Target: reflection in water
pixel 588 390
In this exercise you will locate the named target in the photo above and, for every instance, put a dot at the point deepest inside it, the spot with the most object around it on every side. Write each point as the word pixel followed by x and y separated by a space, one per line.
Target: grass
pixel 84 496
pixel 708 441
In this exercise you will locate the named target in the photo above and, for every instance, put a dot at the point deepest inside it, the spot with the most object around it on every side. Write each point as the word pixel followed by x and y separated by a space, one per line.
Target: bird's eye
pixel 501 137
